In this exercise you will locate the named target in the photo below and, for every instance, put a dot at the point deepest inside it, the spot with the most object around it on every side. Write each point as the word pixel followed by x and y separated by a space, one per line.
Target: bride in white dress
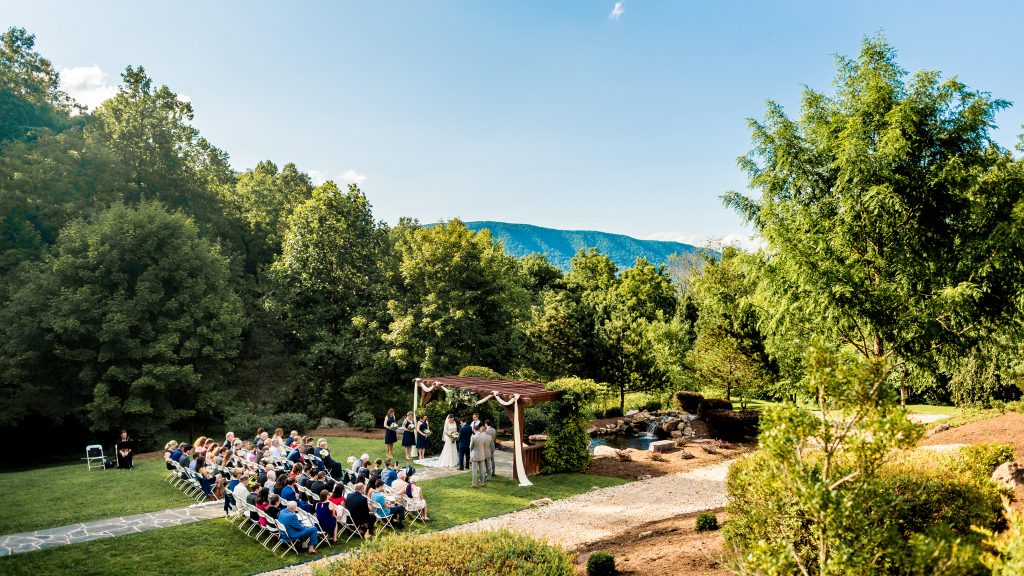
pixel 450 452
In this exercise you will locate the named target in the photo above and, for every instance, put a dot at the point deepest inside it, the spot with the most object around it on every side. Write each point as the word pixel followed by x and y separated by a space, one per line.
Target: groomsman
pixel 465 434
pixel 492 434
pixel 479 449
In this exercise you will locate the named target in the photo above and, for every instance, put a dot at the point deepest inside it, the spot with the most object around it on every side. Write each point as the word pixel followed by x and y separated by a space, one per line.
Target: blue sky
pixel 623 117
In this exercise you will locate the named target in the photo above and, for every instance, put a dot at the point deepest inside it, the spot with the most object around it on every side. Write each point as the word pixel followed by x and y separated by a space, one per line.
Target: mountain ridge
pixel 559 246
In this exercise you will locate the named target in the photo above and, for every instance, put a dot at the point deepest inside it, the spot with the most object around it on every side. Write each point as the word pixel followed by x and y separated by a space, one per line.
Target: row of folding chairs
pixel 272 535
pixel 185 480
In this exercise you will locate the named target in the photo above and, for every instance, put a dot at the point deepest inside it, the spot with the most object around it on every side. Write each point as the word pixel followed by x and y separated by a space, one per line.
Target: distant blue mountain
pixel 561 245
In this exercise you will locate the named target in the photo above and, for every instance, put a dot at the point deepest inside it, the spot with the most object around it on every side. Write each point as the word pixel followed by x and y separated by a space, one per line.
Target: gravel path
pixel 599 514
pixel 578 520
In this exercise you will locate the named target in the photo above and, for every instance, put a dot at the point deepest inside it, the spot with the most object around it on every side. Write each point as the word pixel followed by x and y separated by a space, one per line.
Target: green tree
pixel 538 274
pixel 559 336
pixel 459 302
pixel 332 278
pixel 30 95
pixel 888 208
pixel 132 317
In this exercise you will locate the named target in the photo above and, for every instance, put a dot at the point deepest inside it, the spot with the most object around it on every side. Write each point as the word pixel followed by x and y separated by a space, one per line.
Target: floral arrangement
pixel 393 426
pixel 410 426
pixel 453 435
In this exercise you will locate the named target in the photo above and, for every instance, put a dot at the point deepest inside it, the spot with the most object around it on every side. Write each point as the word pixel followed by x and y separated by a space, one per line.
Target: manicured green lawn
pixel 61 495
pixel 215 547
pixel 929 409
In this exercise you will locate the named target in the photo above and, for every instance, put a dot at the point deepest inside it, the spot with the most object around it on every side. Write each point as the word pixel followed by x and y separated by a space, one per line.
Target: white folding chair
pixel 382 516
pixel 311 520
pixel 346 522
pixel 94 456
pixel 283 539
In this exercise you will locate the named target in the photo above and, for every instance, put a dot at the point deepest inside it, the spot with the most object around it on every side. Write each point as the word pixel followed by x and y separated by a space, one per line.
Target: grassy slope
pixel 61 495
pixel 214 547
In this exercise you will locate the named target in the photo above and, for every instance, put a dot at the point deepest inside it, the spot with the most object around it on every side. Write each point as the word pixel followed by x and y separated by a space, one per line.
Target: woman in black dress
pixel 124 451
pixel 408 435
pixel 422 431
pixel 390 437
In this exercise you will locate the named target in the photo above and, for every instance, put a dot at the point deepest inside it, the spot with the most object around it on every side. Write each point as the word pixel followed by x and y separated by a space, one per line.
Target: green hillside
pixel 561 245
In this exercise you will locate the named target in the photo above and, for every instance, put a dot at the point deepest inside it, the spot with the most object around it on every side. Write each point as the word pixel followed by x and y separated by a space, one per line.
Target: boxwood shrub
pixel 497 553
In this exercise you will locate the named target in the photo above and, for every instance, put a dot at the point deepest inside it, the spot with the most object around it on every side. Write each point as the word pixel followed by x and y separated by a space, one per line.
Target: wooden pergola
pixel 513 395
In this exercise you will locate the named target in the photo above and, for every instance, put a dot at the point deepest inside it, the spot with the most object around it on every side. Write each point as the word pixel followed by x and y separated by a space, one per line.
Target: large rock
pixel 604 451
pixel 538 438
pixel 1009 474
pixel 662 446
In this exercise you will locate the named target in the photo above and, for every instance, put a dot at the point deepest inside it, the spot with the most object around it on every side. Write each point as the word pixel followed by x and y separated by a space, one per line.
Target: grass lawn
pixel 69 494
pixel 214 547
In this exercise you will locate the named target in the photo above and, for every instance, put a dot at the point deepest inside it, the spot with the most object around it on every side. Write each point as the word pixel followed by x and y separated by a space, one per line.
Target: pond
pixel 638 441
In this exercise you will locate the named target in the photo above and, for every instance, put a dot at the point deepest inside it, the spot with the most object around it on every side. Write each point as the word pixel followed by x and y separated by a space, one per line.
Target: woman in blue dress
pixel 408 435
pixel 390 437
pixel 422 431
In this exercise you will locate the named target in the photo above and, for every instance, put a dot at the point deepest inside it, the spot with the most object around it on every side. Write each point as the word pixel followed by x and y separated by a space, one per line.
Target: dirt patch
pixel 1007 428
pixel 346 433
pixel 642 465
pixel 672 547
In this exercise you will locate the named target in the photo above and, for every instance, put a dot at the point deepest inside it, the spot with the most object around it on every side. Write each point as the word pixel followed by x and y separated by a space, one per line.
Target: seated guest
pixel 200 445
pixel 338 495
pixel 185 459
pixel 378 467
pixel 271 479
pixel 295 470
pixel 387 507
pixel 327 515
pixel 292 437
pixel 279 484
pixel 295 455
pixel 305 477
pixel 295 529
pixel 206 481
pixel 262 441
pixel 240 490
pixel 219 489
pixel 259 436
pixel 359 509
pixel 319 482
pixel 306 503
pixel 400 484
pixel 229 440
pixel 416 493
pixel 171 453
pixel 274 507
pixel 333 466
pixel 262 503
pixel 389 474
pixel 275 449
pixel 288 490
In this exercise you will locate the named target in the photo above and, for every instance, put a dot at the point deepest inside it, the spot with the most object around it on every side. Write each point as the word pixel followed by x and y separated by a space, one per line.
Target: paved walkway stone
pixel 107 528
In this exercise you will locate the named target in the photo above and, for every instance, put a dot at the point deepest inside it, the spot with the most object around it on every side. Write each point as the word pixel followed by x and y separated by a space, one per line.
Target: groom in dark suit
pixel 465 433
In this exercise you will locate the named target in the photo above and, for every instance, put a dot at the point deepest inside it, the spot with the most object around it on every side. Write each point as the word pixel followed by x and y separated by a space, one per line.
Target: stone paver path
pixel 75 533
pixel 602 513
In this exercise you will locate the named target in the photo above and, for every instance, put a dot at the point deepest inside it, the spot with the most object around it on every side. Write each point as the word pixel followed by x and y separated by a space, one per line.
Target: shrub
pixel 328 422
pixel 480 372
pixel 732 425
pixel 714 404
pixel 244 425
pixel 689 401
pixel 535 421
pixel 491 553
pixel 568 445
pixel 706 522
pixel 1006 555
pixel 363 421
pixel 982 459
pixel 653 404
pixel 613 412
pixel 656 457
pixel 601 564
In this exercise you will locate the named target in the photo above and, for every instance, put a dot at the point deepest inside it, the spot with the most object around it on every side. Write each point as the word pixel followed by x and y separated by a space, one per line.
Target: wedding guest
pixel 400 483
pixel 479 448
pixel 389 474
pixel 330 464
pixel 279 484
pixel 359 509
pixel 262 503
pixel 271 479
pixel 338 495
pixel 229 440
pixel 171 453
pixel 422 431
pixel 293 436
pixel 185 458
pixel 387 507
pixel 416 493
pixel 409 434
pixel 288 490
pixel 297 450
pixel 124 451
pixel 390 424
pixel 319 482
pixel 240 490
pixel 327 515
pixel 274 507
pixel 295 529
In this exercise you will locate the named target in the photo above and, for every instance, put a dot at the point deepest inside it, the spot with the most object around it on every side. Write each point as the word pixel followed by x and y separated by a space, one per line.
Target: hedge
pixel 244 425
pixel 491 553
pixel 714 404
pixel 732 425
pixel 689 401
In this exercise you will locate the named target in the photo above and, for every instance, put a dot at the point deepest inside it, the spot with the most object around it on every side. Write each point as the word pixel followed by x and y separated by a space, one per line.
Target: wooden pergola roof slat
pixel 532 391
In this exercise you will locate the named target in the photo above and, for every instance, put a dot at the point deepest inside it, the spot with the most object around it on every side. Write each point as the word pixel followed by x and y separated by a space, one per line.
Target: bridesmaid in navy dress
pixel 421 437
pixel 408 435
pixel 390 437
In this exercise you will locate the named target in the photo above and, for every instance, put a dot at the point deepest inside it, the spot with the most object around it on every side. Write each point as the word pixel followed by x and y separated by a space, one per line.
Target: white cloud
pixel 353 177
pixel 87 85
pixel 744 241
pixel 184 98
pixel 346 177
pixel 674 237
pixel 617 10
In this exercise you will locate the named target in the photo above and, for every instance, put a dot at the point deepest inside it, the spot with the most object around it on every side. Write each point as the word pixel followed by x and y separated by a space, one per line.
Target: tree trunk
pixel 622 399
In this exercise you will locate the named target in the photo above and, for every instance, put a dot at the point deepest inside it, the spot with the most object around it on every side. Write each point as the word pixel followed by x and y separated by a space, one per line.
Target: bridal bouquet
pixel 393 426
pixel 453 435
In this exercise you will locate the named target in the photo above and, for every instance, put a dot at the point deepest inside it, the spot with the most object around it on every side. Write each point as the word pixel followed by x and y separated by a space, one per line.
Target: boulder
pixel 542 502
pixel 604 451
pixel 662 446
pixel 538 438
pixel 676 434
pixel 1009 474
pixel 645 534
pixel 688 431
pixel 632 412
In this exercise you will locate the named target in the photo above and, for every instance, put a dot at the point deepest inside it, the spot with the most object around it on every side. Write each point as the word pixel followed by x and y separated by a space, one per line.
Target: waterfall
pixel 654 426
